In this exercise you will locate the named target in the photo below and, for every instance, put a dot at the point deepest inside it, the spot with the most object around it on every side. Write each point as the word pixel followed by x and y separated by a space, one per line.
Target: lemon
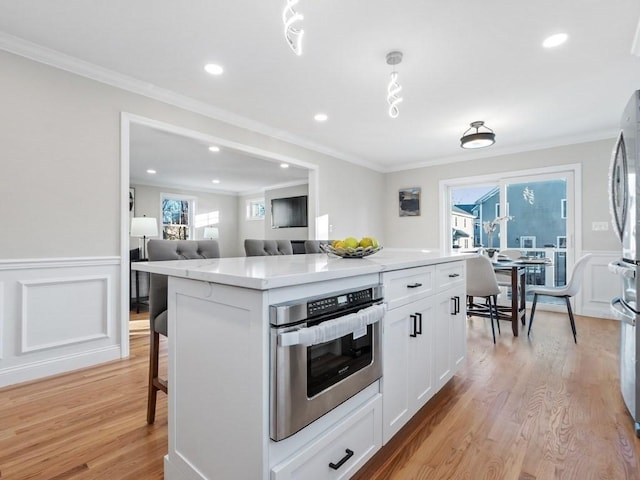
pixel 374 243
pixel 338 244
pixel 350 242
pixel 366 242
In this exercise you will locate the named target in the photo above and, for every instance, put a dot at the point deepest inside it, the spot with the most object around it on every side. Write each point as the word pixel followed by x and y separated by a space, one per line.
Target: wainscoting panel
pixel 599 286
pixel 78 303
pixel 2 339
pixel 58 315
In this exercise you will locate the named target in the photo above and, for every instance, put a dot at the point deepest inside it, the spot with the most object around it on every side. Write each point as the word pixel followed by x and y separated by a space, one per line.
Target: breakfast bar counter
pixel 221 352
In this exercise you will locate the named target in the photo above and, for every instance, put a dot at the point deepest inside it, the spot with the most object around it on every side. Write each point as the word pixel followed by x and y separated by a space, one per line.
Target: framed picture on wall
pixel 132 202
pixel 409 199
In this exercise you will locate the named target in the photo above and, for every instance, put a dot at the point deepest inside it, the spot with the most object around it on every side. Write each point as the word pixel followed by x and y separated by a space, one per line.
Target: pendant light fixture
pixel 477 139
pixel 394 88
pixel 292 35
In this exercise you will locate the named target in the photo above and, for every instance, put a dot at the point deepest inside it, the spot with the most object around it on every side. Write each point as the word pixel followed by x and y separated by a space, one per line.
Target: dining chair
pixel 161 250
pixel 482 282
pixel 571 289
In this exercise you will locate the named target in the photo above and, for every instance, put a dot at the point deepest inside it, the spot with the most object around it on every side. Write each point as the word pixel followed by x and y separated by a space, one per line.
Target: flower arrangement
pixel 490 227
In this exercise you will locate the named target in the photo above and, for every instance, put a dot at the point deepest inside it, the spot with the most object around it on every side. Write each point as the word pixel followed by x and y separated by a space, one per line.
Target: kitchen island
pixel 219 360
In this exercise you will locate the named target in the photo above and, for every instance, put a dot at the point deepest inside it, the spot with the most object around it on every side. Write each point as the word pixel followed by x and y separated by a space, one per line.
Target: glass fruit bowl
pixel 359 252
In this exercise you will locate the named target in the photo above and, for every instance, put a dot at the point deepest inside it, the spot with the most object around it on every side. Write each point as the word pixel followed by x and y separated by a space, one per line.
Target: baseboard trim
pixel 53 366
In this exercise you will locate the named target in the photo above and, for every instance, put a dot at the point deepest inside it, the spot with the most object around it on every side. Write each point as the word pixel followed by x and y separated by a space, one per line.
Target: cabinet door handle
pixel 336 466
pixel 454 275
pixel 415 326
pixel 414 285
pixel 419 329
pixel 456 305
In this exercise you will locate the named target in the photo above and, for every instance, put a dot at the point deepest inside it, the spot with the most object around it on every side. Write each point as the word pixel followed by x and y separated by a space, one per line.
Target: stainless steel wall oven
pixel 323 351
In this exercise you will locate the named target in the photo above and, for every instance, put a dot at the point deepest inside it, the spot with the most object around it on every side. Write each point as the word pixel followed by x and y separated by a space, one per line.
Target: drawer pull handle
pixel 342 461
pixel 456 305
pixel 419 329
pixel 414 285
pixel 454 275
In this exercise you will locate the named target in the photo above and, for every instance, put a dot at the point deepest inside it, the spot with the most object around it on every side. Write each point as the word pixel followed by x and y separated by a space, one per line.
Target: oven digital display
pixel 342 299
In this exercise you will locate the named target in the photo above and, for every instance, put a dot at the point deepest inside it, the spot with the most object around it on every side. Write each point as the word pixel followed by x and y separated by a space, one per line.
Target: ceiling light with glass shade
pixel 477 136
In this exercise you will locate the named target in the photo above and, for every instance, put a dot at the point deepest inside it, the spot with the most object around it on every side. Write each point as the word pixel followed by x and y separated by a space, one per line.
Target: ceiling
pixel 167 153
pixel 463 61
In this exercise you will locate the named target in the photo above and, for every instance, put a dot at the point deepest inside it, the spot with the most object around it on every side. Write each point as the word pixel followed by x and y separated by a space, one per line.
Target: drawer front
pixel 450 274
pixel 405 286
pixel 339 453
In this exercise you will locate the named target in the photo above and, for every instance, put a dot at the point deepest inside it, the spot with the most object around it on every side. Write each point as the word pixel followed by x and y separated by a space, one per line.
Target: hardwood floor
pixel 536 409
pixel 523 409
pixel 89 424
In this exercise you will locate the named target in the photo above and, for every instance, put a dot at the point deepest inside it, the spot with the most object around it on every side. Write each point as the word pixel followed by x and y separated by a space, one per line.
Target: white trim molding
pixel 57 315
pixel 47 301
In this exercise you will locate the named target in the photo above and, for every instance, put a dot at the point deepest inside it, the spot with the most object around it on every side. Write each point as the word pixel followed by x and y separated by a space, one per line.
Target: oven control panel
pixel 290 313
pixel 338 302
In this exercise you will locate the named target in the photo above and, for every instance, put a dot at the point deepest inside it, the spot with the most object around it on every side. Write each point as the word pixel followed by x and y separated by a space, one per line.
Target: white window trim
pixel 192 210
pixel 249 203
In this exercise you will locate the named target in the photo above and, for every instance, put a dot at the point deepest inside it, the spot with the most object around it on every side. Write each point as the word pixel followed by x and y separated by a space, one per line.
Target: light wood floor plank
pixel 542 408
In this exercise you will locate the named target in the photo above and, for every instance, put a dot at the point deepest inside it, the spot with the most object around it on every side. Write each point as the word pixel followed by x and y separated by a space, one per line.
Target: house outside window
pixel 177 217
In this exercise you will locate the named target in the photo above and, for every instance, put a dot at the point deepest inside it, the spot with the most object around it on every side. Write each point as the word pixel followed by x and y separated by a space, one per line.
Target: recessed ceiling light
pixel 213 69
pixel 555 40
pixel 213 148
pixel 215 180
pixel 284 165
pixel 151 171
pixel 320 117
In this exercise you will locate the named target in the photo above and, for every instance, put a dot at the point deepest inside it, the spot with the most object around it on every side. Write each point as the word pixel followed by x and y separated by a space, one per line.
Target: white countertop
pixel 263 273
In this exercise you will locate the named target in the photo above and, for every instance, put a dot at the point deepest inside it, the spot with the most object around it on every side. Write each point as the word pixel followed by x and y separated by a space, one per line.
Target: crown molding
pixel 499 152
pixel 53 58
pixel 79 67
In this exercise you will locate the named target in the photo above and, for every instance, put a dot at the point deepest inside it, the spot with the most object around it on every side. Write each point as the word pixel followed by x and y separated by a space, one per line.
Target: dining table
pixel 516 311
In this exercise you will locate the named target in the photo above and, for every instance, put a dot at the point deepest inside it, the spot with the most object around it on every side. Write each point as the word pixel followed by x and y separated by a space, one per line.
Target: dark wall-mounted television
pixel 289 212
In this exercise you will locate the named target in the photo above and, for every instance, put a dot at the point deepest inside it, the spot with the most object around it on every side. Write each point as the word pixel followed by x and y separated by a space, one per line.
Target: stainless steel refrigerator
pixel 624 194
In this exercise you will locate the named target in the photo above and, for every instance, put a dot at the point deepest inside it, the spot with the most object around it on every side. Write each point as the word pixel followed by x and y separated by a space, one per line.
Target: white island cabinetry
pixel 424 338
pixel 219 362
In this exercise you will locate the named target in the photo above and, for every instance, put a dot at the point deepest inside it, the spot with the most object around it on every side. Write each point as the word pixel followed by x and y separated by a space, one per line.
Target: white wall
pixel 249 228
pixel 295 233
pixel 148 203
pixel 423 231
pixel 60 185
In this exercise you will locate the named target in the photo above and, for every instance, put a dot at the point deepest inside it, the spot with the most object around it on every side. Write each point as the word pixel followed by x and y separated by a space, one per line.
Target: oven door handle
pixel 333 329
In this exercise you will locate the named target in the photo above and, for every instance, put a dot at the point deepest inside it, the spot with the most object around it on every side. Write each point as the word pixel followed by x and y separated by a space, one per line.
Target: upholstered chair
pixel 257 248
pixel 162 250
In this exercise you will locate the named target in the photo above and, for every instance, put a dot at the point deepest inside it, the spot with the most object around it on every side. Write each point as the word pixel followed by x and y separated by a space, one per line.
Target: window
pixel 528 242
pixel 177 217
pixel 561 242
pixel 255 209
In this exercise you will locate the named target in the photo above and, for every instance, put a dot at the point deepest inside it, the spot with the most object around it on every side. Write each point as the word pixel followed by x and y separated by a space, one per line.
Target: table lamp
pixel 143 227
